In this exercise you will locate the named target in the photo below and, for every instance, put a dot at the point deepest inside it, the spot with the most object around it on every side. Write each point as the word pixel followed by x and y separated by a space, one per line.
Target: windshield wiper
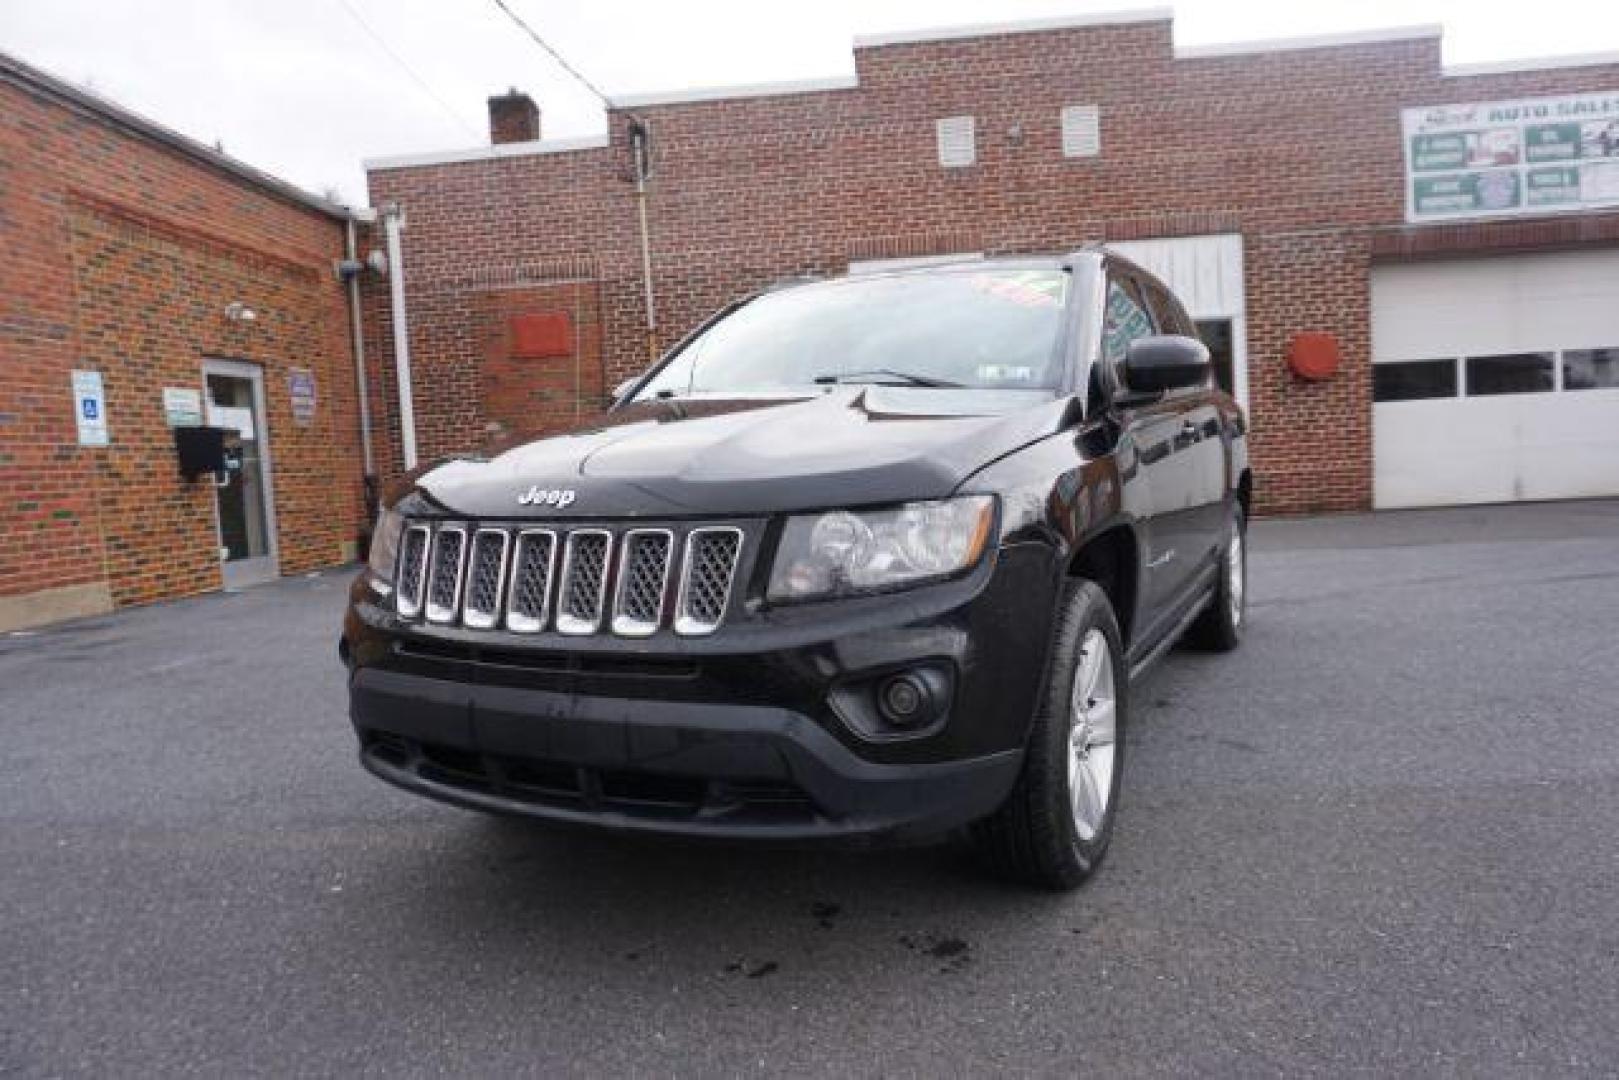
pixel 901 378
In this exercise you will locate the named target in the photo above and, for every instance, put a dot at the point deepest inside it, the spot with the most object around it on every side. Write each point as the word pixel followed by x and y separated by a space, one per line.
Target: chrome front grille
pixel 529 599
pixel 705 579
pixel 444 581
pixel 584 581
pixel 412 570
pixel 643 577
pixel 634 582
pixel 485 571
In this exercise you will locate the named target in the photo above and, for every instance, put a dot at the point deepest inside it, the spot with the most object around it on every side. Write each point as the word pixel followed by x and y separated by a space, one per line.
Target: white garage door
pixel 1496 379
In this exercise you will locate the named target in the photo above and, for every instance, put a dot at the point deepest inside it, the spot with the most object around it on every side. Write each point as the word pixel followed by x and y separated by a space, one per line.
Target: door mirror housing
pixel 1165 362
pixel 621 391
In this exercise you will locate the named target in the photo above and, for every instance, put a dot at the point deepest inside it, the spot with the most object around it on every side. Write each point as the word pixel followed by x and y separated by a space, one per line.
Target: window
pixel 957 148
pixel 1167 311
pixel 1414 380
pixel 978 327
pixel 1081 131
pixel 1510 373
pixel 1126 320
pixel 1216 334
pixel 1590 369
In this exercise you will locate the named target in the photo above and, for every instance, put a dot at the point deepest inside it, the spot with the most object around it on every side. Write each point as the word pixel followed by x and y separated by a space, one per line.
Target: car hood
pixel 851 446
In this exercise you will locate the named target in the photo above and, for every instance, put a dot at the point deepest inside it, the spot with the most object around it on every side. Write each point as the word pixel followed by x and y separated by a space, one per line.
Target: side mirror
pixel 622 389
pixel 1165 362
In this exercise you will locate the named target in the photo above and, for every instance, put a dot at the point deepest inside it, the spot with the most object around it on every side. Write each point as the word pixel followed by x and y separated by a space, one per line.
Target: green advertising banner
pixel 1461 193
pixel 1512 157
pixel 1552 142
pixel 1554 187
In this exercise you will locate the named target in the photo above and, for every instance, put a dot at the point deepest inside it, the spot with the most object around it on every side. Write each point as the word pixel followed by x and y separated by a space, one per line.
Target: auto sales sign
pixel 1536 156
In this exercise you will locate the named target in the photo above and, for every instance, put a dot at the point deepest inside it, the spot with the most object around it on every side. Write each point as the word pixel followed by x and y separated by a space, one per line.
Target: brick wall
pixel 548 385
pixel 121 256
pixel 1298 150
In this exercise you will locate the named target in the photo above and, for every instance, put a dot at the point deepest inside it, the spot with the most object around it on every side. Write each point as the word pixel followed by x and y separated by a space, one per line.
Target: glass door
pixel 246 509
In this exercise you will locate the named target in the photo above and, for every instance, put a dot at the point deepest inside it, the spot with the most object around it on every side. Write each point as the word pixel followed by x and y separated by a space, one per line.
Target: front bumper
pixel 736 736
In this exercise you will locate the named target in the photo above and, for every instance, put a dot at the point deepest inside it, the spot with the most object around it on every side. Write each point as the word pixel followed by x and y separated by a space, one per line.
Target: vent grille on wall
pixel 1081 131
pixel 957 148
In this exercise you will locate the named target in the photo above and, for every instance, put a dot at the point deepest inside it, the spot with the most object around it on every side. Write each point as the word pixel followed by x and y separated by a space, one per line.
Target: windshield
pixel 989 328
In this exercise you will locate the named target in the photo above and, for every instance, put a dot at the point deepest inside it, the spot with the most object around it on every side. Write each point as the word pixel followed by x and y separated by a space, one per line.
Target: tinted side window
pixel 1171 316
pixel 1126 319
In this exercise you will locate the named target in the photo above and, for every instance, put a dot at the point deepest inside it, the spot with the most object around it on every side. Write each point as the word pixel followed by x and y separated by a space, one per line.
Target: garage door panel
pixel 1504 304
pixel 1501 449
pixel 1457 449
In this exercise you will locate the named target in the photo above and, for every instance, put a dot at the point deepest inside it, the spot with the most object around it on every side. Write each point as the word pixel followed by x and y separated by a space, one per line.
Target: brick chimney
pixel 513 117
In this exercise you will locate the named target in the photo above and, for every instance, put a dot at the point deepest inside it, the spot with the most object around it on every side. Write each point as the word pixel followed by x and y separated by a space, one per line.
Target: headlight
pixel 842 552
pixel 385 546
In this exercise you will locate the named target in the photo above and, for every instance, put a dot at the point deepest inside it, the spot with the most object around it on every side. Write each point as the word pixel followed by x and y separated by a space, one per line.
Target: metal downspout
pixel 392 222
pixel 351 253
pixel 638 139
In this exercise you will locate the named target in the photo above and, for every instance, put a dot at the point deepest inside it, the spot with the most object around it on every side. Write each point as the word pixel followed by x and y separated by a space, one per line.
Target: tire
pixel 1220 627
pixel 1037 836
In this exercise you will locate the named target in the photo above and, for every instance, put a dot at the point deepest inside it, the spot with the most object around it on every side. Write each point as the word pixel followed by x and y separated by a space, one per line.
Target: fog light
pixel 904 700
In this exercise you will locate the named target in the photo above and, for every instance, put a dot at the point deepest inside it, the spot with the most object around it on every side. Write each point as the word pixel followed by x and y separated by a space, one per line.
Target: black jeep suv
pixel 866 558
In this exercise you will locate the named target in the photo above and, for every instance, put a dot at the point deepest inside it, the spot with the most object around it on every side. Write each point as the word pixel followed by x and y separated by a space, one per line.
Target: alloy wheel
pixel 1235 576
pixel 1093 729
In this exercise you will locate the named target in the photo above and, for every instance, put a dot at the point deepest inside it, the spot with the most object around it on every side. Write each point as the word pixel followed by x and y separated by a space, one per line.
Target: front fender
pixel 1061 494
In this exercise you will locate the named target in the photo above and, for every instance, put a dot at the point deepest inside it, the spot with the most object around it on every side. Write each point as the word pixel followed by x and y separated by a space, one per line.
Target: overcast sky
pixel 307 88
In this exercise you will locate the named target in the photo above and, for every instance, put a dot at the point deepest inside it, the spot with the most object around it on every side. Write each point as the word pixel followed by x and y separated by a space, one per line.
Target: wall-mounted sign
pixel 182 406
pixel 301 389
pixel 537 337
pixel 90 408
pixel 238 418
pixel 1534 156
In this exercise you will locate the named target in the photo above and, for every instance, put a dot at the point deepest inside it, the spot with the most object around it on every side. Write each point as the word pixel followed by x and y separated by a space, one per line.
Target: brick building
pixel 1409 272
pixel 190 288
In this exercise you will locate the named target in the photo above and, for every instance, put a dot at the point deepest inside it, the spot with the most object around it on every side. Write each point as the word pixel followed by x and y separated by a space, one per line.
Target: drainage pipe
pixel 351 253
pixel 638 140
pixel 392 222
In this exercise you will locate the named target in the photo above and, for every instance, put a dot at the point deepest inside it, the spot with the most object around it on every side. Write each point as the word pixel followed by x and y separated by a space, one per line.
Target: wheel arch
pixel 1111 557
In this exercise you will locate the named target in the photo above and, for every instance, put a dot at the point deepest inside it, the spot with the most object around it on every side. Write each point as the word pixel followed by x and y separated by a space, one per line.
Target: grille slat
pixel 444 583
pixel 486 568
pixel 532 568
pixel 643 574
pixel 412 571
pixel 493 576
pixel 709 567
pixel 584 581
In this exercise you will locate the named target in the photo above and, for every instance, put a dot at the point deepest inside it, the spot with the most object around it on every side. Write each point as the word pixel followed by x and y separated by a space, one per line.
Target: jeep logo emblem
pixel 560 498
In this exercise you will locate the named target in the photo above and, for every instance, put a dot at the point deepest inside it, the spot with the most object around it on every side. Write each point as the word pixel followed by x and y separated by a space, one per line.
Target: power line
pixel 408 70
pixel 541 42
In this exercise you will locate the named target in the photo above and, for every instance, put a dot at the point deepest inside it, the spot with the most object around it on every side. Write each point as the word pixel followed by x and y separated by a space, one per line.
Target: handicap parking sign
pixel 91 413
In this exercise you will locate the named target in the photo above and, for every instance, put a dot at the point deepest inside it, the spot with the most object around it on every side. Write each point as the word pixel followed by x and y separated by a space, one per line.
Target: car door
pixel 1201 442
pixel 1150 436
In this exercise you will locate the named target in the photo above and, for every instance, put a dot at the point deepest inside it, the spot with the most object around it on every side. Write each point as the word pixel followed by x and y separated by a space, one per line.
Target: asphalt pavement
pixel 1382 837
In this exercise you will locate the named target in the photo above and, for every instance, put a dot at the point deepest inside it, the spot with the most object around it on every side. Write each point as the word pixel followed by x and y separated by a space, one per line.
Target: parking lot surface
pixel 1380 837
